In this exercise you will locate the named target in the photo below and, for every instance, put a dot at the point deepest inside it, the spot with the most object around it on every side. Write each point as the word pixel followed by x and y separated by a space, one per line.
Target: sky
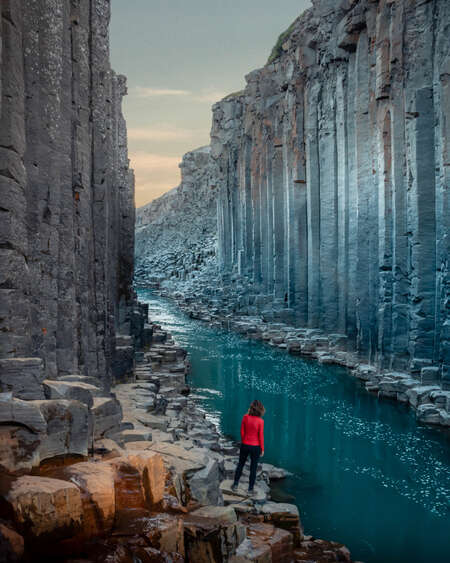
pixel 180 57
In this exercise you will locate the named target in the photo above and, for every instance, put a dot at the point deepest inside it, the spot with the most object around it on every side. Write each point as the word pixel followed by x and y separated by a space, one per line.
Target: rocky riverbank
pixel 154 486
pixel 430 402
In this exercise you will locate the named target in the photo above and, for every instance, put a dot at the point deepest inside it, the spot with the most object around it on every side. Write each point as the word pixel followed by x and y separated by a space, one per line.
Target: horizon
pixel 172 84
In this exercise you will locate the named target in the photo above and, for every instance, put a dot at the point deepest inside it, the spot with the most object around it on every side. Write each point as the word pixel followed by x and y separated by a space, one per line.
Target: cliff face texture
pixel 176 234
pixel 333 171
pixel 66 208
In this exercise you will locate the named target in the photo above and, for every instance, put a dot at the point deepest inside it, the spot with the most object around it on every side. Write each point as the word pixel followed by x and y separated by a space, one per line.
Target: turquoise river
pixel 363 471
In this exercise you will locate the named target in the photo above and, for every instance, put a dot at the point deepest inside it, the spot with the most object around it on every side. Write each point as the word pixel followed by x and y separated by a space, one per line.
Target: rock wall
pixel 176 234
pixel 333 172
pixel 67 193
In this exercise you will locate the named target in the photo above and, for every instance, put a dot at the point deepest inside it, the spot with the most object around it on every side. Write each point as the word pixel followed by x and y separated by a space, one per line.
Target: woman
pixel 252 443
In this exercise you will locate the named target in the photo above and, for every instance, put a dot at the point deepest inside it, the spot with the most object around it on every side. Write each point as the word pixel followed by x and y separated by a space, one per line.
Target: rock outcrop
pixel 176 234
pixel 67 193
pixel 69 319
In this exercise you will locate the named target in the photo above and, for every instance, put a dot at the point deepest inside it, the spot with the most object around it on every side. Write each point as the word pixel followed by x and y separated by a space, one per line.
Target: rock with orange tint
pixel 285 516
pixel 128 486
pixel 44 508
pixel 18 449
pixel 96 483
pixel 139 479
pixel 11 545
pixel 165 532
pixel 212 534
pixel 279 541
pixel 153 472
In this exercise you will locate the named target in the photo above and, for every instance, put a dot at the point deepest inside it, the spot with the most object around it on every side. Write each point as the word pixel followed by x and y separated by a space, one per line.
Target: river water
pixel 364 472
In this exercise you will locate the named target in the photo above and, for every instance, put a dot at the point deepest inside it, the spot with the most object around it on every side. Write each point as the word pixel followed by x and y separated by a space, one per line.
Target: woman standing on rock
pixel 252 443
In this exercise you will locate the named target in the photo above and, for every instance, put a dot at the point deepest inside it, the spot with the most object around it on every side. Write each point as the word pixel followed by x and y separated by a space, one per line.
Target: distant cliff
pixel 332 170
pixel 176 234
pixel 66 205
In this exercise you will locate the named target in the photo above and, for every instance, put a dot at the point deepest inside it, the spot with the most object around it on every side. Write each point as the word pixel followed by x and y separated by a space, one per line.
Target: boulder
pixel 40 430
pixel 107 415
pixel 96 484
pixel 252 552
pixel 280 542
pixel 153 421
pixel 212 535
pixel 429 413
pixel 139 480
pixel 67 428
pixel 71 390
pixel 128 488
pixel 43 508
pixel 25 413
pixel 285 516
pixel 420 394
pixel 204 485
pixel 19 449
pixel 153 474
pixel 165 532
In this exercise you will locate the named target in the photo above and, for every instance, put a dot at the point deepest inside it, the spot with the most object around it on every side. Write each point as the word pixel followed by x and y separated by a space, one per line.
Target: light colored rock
pixel 96 484
pixel 71 390
pixel 153 474
pixel 43 506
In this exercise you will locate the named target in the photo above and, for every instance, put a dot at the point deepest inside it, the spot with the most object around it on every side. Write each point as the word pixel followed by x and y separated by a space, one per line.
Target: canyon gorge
pixel 331 175
pixel 316 222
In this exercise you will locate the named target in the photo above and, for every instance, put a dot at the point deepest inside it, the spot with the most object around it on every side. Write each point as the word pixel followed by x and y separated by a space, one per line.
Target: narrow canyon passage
pixel 363 470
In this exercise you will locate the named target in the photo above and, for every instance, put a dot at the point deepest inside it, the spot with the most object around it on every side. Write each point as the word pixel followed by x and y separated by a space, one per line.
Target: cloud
pixel 141 92
pixel 206 95
pixel 163 132
pixel 155 174
pixel 210 96
pixel 150 162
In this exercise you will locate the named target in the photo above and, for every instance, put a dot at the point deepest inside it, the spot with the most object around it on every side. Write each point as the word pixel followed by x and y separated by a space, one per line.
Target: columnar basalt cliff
pixel 67 193
pixel 176 234
pixel 333 174
pixel 69 321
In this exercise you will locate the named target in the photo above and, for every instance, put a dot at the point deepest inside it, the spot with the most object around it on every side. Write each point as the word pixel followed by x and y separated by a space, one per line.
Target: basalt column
pixel 66 205
pixel 337 205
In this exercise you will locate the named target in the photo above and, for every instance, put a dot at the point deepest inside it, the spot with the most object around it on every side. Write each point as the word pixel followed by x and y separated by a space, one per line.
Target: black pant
pixel 254 452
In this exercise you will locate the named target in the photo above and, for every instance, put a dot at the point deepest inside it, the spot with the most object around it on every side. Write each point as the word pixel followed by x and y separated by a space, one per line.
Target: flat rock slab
pixel 241 492
pixel 71 390
pixel 222 513
pixel 153 421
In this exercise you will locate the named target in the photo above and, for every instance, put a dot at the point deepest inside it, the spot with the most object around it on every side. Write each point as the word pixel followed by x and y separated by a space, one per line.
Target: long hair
pixel 256 408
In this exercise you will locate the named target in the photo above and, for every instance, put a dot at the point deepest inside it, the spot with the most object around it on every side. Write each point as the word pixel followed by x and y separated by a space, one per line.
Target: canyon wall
pixel 67 193
pixel 176 234
pixel 333 171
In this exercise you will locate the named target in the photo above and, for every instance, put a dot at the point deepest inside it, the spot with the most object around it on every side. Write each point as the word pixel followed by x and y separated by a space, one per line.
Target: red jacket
pixel 252 431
